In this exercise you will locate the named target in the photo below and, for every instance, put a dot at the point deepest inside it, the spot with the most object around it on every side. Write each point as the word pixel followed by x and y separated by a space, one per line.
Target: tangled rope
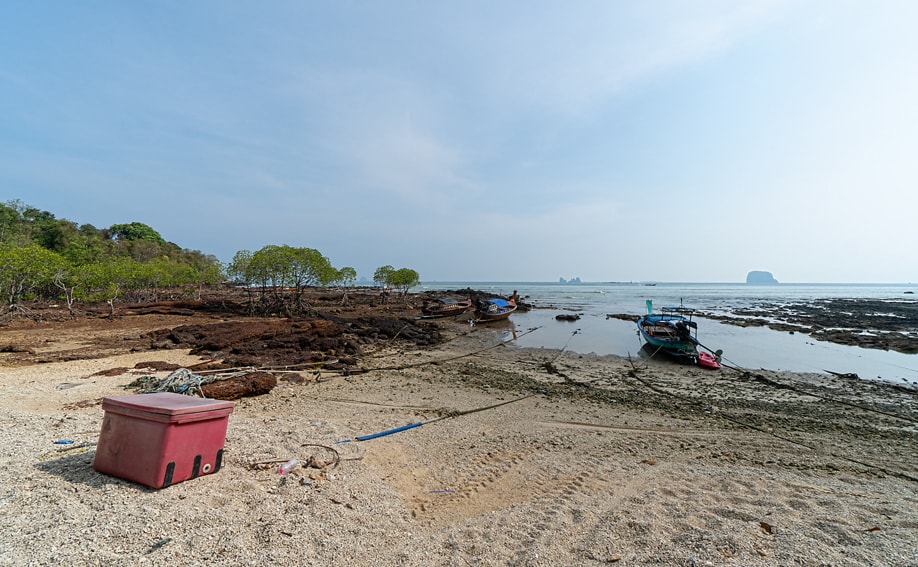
pixel 182 381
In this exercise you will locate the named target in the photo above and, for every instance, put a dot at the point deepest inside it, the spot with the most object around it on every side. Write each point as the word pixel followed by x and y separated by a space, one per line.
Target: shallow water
pixel 749 347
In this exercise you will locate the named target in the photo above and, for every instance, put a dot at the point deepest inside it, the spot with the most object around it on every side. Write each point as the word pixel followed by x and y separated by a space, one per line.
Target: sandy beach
pixel 569 460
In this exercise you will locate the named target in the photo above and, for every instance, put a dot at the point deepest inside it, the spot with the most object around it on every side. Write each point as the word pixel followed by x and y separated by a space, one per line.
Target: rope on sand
pixel 781 386
pixel 457 357
pixel 560 352
pixel 420 423
pixel 758 377
pixel 747 425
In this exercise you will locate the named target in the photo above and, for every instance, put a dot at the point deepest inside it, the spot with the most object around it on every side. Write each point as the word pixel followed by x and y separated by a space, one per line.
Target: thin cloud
pixel 568 59
pixel 482 140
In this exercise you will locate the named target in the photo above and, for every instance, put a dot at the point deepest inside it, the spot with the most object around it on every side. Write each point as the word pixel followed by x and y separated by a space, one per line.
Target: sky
pixel 652 140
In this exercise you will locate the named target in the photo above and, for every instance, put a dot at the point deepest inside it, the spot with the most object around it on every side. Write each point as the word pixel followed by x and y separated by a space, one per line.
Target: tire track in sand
pixel 557 510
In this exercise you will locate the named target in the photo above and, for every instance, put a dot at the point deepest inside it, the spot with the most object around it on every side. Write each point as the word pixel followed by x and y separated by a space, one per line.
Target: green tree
pixel 308 267
pixel 134 231
pixel 383 275
pixel 146 279
pixel 65 278
pixel 404 279
pixel 83 248
pixel 201 269
pixel 346 276
pixel 53 234
pixel 284 266
pixel 278 267
pixel 125 260
pixel 144 250
pixel 25 269
pixel 10 222
pixel 267 268
pixel 108 280
pixel 238 269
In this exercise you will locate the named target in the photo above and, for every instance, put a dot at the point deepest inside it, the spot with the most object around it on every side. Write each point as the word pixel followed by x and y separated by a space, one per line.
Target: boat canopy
pixel 499 302
pixel 667 319
pixel 683 310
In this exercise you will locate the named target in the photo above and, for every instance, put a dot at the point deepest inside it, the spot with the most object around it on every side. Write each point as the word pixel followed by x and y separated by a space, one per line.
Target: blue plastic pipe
pixel 389 431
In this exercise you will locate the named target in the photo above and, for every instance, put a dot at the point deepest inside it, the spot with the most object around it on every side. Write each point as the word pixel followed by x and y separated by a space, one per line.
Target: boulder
pixel 251 384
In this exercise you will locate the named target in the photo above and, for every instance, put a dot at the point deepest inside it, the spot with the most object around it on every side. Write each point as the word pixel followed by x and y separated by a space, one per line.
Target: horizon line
pixel 645 282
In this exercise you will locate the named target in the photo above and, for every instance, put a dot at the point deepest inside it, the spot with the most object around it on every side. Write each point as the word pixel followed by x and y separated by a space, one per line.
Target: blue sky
pixel 480 141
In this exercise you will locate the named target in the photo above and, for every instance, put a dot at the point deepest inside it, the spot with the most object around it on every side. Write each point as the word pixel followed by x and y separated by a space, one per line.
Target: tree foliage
pixel 404 279
pixel 401 279
pixel 383 275
pixel 346 276
pixel 135 231
pixel 284 266
pixel 42 256
pixel 27 270
pixel 238 268
pixel 274 269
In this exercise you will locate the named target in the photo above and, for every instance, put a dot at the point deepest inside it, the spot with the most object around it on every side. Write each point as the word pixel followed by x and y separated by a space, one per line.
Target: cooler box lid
pixel 168 405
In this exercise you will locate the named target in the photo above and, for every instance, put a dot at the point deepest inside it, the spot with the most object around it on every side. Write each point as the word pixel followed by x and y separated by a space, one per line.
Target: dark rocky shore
pixel 867 323
pixel 335 327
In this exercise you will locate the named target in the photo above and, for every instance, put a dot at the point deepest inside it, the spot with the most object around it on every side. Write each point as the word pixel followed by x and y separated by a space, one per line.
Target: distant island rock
pixel 760 277
pixel 575 280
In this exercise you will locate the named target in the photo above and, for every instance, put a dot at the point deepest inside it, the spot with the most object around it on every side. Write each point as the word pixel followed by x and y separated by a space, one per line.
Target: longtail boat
pixel 445 307
pixel 495 309
pixel 672 331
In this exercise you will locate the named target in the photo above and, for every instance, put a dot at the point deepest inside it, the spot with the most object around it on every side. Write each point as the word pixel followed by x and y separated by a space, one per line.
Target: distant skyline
pixel 521 141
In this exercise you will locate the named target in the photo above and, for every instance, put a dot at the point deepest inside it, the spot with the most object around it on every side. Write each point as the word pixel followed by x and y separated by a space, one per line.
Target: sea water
pixel 745 347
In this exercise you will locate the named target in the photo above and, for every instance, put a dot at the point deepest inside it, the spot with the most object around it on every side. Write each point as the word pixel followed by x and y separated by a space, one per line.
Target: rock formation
pixel 760 277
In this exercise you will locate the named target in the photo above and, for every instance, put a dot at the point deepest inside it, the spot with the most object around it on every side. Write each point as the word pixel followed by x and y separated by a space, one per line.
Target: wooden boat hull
pixel 432 313
pixel 663 334
pixel 672 332
pixel 488 317
pixel 446 308
pixel 494 310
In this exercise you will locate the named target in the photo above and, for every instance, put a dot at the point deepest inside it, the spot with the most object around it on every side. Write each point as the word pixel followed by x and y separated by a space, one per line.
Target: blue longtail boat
pixel 673 332
pixel 495 309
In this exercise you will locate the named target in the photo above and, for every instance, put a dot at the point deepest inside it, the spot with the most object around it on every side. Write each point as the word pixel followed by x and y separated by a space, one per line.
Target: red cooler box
pixel 161 439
